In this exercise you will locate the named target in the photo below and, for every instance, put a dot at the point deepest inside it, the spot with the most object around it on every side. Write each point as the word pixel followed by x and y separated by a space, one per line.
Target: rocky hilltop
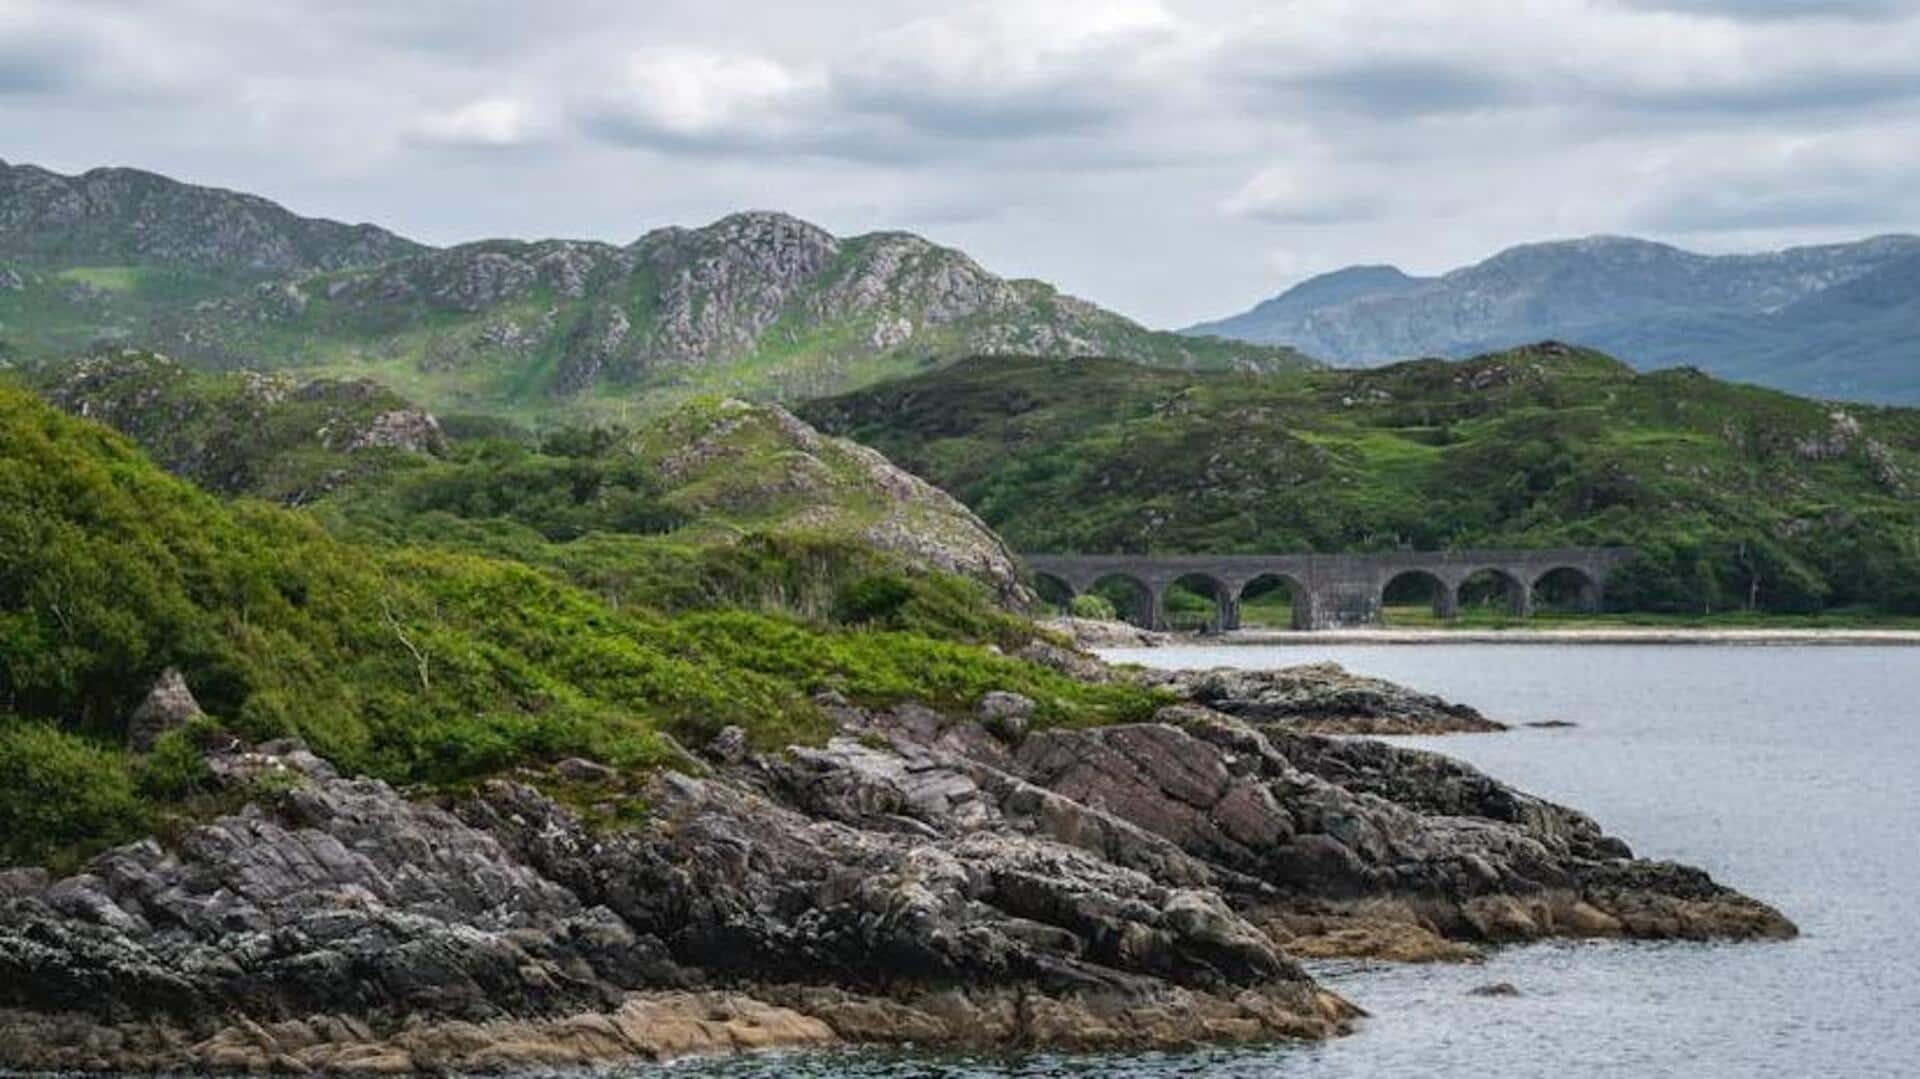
pixel 756 304
pixel 120 217
pixel 734 465
pixel 944 880
pixel 1835 320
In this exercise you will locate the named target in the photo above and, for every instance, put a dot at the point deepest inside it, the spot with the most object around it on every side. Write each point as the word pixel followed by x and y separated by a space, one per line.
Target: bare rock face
pixel 169 704
pixel 408 429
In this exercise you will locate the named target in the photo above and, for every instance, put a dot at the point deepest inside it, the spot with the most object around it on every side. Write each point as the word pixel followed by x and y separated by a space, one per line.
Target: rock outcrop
pixel 921 878
pixel 759 466
pixel 169 704
pixel 1323 698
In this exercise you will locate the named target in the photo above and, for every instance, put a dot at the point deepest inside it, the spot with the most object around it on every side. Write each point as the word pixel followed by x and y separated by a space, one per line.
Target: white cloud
pixel 485 122
pixel 695 94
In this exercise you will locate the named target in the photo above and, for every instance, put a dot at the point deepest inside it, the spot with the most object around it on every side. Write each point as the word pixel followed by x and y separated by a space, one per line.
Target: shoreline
pixel 1635 635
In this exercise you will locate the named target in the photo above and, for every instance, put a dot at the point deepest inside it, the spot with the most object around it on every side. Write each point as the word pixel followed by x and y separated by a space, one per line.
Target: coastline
pixel 1649 635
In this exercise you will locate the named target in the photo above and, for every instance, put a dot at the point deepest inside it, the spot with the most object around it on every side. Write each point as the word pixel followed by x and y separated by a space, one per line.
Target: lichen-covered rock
pixel 1323 698
pixel 169 704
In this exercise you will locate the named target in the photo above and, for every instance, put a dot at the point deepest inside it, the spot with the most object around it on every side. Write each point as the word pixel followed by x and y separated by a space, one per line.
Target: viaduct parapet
pixel 1335 590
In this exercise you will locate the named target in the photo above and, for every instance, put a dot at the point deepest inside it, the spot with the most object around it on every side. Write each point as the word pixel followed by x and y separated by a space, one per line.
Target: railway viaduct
pixel 1334 590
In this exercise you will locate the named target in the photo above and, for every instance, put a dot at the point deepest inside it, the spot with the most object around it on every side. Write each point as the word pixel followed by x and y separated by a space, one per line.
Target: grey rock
pixel 408 429
pixel 169 704
pixel 729 746
pixel 1323 698
pixel 1006 714
pixel 581 770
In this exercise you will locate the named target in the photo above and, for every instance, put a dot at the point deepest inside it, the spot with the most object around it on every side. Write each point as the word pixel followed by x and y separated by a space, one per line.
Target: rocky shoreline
pixel 945 881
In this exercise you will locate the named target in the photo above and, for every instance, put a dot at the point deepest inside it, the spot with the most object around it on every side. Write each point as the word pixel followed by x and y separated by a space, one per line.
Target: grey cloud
pixel 1411 88
pixel 986 114
pixel 1782 9
pixel 1745 210
pixel 26 72
pixel 1427 133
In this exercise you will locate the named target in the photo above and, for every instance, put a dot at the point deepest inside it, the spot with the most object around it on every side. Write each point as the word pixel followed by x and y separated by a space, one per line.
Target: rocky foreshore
pixel 938 880
pixel 1322 698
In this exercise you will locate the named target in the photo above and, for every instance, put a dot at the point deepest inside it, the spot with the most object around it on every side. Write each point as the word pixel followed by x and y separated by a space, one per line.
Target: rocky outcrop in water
pixel 1323 698
pixel 923 878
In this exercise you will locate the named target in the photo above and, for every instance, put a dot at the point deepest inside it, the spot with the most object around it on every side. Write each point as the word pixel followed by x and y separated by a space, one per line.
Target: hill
pixel 1734 495
pixel 422 647
pixel 624 509
pixel 1834 321
pixel 98 255
pixel 759 304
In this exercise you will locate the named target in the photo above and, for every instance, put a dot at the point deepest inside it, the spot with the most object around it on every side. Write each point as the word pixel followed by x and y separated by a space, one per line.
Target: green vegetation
pixel 445 642
pixel 1093 605
pixel 273 436
pixel 1736 497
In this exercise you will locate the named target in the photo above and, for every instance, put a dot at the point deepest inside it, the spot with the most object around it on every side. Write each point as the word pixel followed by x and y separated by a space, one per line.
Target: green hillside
pixel 1734 495
pixel 757 305
pixel 458 644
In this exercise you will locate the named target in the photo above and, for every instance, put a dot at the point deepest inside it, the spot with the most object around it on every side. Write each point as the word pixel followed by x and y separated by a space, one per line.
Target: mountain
pixel 1839 320
pixel 757 304
pixel 1733 495
pixel 98 256
pixel 112 216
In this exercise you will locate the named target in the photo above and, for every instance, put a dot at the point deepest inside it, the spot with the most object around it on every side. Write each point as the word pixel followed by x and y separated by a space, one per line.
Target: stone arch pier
pixel 1335 590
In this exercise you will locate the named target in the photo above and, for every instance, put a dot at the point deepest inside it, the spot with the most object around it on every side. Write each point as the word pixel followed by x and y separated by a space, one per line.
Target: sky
pixel 1173 160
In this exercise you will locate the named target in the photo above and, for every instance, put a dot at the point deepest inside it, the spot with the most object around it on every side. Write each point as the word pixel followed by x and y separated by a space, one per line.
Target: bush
pixel 62 796
pixel 1090 605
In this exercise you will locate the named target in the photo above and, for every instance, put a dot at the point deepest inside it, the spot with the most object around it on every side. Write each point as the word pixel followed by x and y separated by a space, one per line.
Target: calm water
pixel 1791 773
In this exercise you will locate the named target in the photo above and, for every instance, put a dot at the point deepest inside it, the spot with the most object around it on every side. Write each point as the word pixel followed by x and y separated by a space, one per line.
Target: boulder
pixel 168 705
pixel 1006 714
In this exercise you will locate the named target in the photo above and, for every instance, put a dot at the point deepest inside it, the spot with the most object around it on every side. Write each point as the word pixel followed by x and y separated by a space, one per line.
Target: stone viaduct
pixel 1332 590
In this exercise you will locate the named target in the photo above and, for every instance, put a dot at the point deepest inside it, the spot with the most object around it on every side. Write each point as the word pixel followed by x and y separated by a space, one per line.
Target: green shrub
pixel 878 598
pixel 1092 605
pixel 62 795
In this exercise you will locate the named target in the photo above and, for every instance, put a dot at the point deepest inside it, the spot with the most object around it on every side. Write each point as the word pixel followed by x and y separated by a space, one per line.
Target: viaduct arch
pixel 1335 590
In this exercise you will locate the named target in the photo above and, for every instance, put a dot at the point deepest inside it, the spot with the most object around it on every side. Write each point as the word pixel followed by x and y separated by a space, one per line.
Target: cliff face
pixel 919 878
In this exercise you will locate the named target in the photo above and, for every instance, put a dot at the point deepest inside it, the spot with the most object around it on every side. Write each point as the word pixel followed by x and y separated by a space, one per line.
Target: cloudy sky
pixel 1176 160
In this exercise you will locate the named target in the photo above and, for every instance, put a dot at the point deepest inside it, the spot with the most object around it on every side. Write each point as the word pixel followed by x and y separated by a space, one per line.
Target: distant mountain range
pixel 1841 320
pixel 760 304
